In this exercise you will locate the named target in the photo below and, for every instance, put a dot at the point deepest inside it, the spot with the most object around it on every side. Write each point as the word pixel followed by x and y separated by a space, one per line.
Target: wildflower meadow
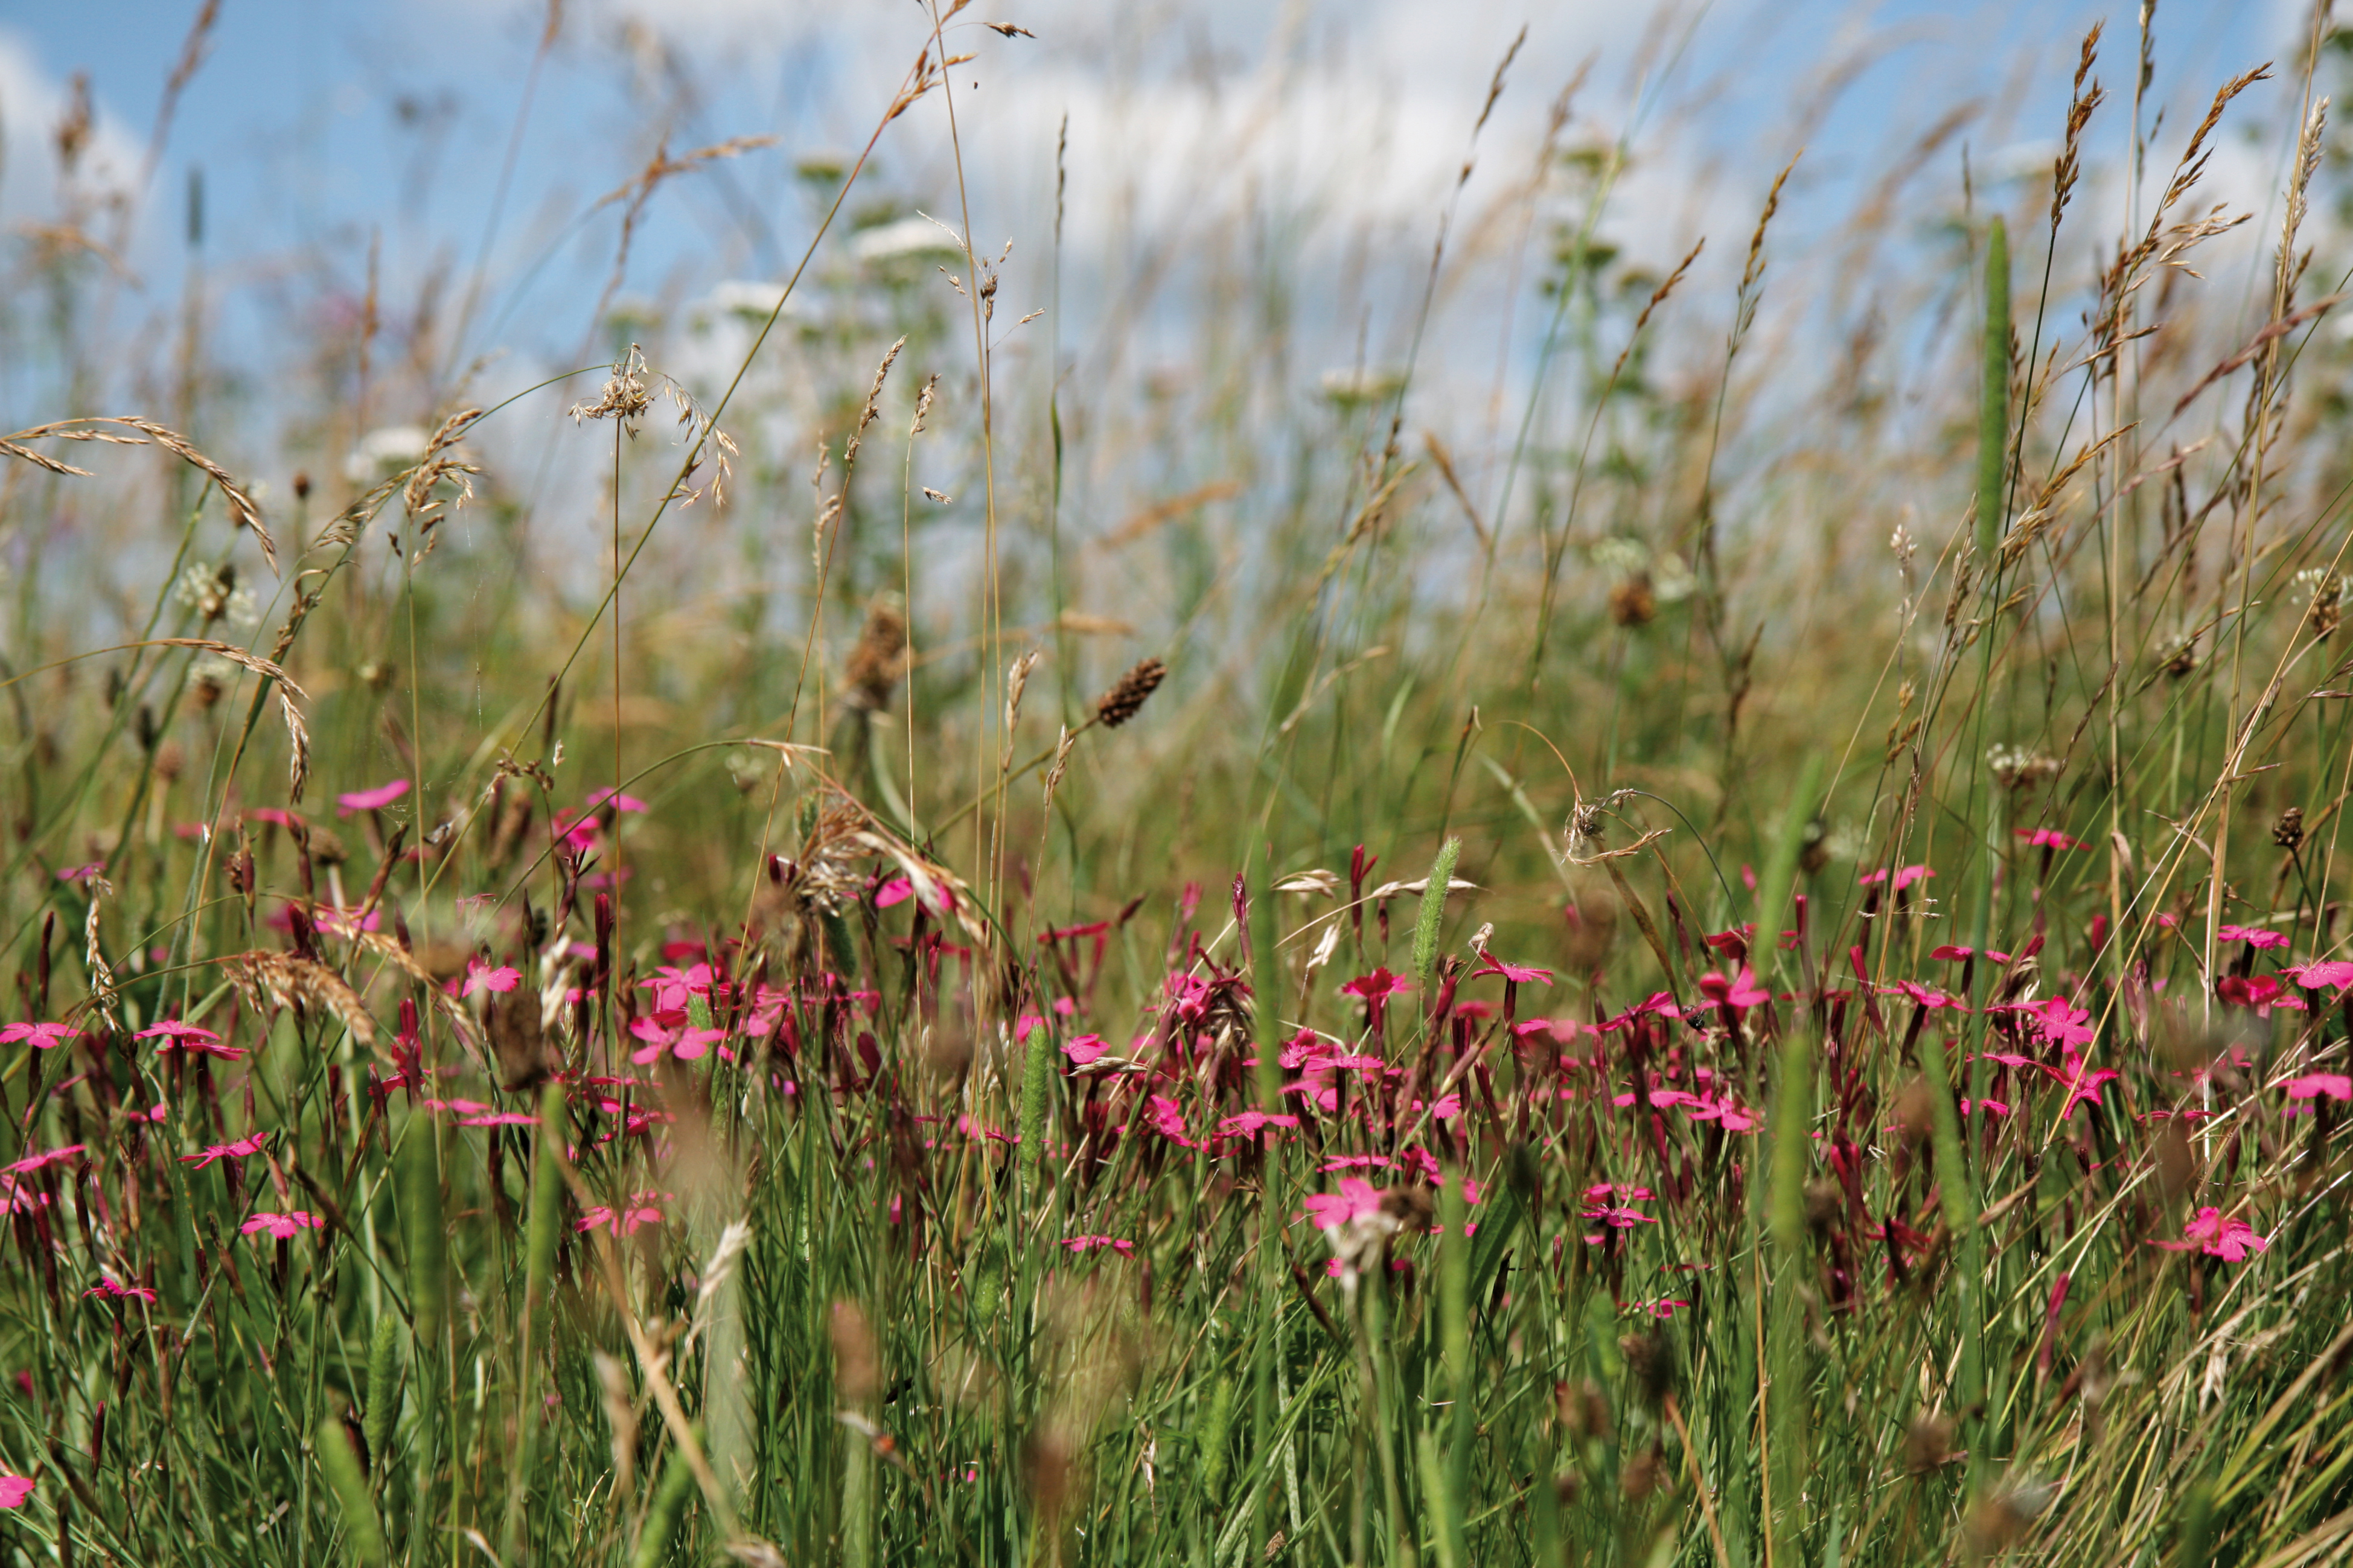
pixel 838 891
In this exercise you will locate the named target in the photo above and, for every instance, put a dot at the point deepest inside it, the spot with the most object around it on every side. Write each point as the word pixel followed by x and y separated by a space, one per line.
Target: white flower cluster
pixel 214 594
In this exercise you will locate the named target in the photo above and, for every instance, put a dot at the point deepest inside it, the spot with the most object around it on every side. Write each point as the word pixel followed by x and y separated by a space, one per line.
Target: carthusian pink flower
pixel 2312 1085
pixel 2231 1239
pixel 1357 1199
pixel 15 1489
pixel 193 1038
pixel 1378 985
pixel 284 1226
pixel 45 1036
pixel 374 799
pixel 480 976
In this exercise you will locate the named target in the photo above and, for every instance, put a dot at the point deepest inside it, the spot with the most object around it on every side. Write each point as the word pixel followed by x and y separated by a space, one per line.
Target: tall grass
pixel 1582 1031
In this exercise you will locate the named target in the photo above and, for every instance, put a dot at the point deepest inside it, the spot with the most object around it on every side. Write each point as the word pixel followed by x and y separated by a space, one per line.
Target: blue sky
pixel 323 126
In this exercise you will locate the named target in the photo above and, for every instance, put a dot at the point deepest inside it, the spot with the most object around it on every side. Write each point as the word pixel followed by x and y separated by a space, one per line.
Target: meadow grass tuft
pixel 499 1067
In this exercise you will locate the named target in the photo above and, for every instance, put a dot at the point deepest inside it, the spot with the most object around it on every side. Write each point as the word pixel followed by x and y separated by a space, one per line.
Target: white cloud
pixel 33 104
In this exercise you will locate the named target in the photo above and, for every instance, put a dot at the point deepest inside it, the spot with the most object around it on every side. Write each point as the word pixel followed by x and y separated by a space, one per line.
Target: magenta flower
pixel 1904 875
pixel 578 834
pixel 1357 1199
pixel 1249 1123
pixel 2047 838
pixel 1085 1050
pixel 1379 986
pixel 2261 992
pixel 15 1489
pixel 1724 1113
pixel 1516 974
pixel 2232 1240
pixel 2312 1085
pixel 374 799
pixel 2254 936
pixel 1926 996
pixel 106 1286
pixel 500 1119
pixel 1160 1114
pixel 1090 1243
pixel 620 802
pixel 2335 974
pixel 480 976
pixel 1950 952
pixel 82 873
pixel 45 1036
pixel 239 1150
pixel 34 1162
pixel 2082 1083
pixel 637 1211
pixel 2061 1024
pixel 284 1226
pixel 193 1038
pixel 1739 994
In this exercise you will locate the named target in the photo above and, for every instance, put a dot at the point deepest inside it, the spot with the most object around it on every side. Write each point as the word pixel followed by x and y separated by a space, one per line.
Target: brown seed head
pixel 1118 704
pixel 2288 831
pixel 1632 603
pixel 879 658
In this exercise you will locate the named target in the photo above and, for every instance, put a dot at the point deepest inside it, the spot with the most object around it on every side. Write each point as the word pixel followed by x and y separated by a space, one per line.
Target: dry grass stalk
pixel 242 510
pixel 2079 104
pixel 284 980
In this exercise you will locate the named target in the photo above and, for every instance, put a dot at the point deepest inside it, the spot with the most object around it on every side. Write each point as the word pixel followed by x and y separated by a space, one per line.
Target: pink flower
pixel 1616 1219
pixel 374 799
pixel 106 1286
pixel 1904 875
pixel 1926 996
pixel 2082 1083
pixel 2048 839
pixel 2232 1240
pixel 897 890
pixel 637 1211
pixel 34 1162
pixel 1726 1114
pixel 665 1033
pixel 1160 1113
pixel 2336 975
pixel 2312 1085
pixel 1089 1243
pixel 480 976
pixel 83 873
pixel 578 834
pixel 284 1226
pixel 1357 1199
pixel 1950 951
pixel 15 1489
pixel 1085 1050
pixel 45 1036
pixel 236 1151
pixel 190 1038
pixel 1376 987
pixel 2261 992
pixel 620 802
pixel 500 1119
pixel 2254 936
pixel 1740 992
pixel 1515 973
pixel 2061 1023
pixel 1249 1123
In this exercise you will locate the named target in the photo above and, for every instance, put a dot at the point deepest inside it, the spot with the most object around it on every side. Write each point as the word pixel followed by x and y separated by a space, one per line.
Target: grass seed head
pixel 1121 703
